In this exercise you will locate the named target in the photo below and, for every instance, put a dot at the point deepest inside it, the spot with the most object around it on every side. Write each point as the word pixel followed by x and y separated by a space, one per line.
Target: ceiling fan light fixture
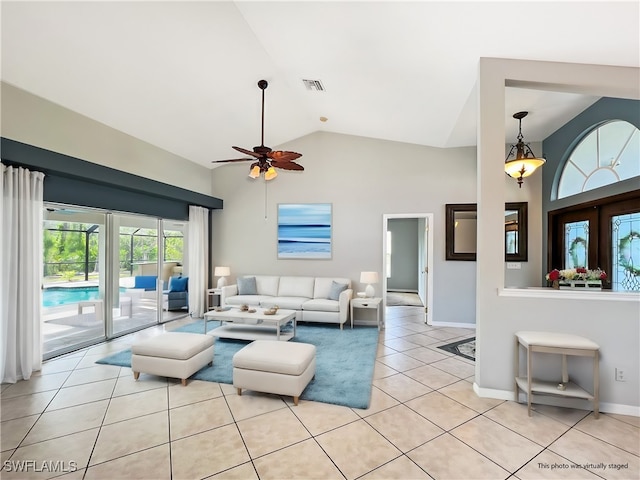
pixel 255 171
pixel 270 174
pixel 525 161
pixel 266 158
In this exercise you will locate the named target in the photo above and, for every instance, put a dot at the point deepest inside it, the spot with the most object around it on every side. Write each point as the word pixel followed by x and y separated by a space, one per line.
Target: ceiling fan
pixel 267 159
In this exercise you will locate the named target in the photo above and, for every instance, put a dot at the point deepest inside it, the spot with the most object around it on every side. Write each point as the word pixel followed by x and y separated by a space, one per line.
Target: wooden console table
pixel 561 344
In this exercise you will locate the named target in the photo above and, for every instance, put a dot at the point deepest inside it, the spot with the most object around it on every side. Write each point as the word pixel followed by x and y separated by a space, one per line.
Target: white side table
pixel 212 301
pixel 559 344
pixel 367 303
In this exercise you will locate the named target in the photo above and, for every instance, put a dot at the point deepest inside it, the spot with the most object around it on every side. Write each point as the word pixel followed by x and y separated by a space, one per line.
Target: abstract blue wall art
pixel 304 231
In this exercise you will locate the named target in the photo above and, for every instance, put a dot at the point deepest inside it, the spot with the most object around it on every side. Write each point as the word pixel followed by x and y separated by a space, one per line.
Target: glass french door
pixel 605 235
pixel 625 255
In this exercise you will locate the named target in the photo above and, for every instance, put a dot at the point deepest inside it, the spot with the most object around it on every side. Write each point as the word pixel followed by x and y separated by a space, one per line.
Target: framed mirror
pixel 515 232
pixel 461 231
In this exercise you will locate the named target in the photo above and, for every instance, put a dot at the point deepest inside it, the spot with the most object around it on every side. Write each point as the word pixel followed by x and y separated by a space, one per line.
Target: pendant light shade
pixel 525 162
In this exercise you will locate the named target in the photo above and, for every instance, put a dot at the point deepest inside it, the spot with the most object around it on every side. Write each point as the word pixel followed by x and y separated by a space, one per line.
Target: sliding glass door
pixel 175 296
pixel 139 287
pixel 73 281
pixel 107 274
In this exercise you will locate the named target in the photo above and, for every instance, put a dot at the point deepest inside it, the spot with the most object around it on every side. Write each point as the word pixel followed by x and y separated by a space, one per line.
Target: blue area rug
pixel 344 361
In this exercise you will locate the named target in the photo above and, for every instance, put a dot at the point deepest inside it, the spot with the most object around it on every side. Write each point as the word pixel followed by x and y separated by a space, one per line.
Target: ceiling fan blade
pixel 233 160
pixel 282 156
pixel 247 152
pixel 287 165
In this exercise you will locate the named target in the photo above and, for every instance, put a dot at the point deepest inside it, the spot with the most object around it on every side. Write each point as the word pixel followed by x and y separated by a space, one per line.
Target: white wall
pixel 363 178
pixel 609 319
pixel 32 120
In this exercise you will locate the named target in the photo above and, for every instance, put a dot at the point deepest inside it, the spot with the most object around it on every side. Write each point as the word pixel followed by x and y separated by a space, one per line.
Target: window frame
pixel 569 163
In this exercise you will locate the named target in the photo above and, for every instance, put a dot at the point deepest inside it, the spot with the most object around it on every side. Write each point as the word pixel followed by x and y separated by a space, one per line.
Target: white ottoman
pixel 172 354
pixel 283 368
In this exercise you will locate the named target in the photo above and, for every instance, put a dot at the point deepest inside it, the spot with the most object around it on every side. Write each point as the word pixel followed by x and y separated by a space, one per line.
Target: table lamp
pixel 222 272
pixel 369 278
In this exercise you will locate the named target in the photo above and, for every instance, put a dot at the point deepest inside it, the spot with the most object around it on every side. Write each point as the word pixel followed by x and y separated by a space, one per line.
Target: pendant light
pixel 525 162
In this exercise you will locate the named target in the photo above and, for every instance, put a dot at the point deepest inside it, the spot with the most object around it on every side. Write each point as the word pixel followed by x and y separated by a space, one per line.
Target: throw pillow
pixel 247 286
pixel 178 284
pixel 336 290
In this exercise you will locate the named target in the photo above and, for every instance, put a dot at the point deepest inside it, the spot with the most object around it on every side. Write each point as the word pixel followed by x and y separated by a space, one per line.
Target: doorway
pixel 418 273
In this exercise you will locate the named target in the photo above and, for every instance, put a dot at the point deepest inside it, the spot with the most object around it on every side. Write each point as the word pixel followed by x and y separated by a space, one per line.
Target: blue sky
pixel 304 213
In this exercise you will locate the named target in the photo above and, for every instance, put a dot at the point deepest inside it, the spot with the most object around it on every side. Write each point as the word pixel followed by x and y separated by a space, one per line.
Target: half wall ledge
pixel 547 292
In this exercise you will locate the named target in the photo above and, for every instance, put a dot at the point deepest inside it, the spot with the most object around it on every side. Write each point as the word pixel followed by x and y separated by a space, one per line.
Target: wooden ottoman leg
pixel 184 382
pixel 295 400
pixel 239 391
pixel 136 375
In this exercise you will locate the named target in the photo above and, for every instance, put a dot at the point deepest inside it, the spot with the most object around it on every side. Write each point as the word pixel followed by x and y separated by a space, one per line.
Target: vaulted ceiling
pixel 183 75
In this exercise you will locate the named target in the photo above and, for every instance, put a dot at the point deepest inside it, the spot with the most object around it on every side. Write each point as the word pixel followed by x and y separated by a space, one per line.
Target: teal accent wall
pixel 74 181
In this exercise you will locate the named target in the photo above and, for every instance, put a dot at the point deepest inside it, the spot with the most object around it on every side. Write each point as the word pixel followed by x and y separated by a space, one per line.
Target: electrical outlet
pixel 621 375
pixel 514 266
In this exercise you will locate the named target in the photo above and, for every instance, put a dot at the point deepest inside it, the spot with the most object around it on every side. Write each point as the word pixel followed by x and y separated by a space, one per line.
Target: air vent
pixel 313 85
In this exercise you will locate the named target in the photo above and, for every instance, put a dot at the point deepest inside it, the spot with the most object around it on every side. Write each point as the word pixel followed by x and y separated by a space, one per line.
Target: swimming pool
pixel 55 296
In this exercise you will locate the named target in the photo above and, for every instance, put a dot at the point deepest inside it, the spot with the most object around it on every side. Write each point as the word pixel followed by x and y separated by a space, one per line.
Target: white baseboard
pixel 576 403
pixel 453 324
pixel 492 393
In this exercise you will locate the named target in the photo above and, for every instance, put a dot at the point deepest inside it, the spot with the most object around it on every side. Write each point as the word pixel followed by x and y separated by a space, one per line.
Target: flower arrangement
pixel 579 273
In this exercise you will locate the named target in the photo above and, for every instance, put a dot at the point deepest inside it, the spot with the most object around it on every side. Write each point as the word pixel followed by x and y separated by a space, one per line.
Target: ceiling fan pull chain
pixel 265 199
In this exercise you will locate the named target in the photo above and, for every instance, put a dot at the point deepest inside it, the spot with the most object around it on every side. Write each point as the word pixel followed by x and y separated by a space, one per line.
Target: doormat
pixel 465 348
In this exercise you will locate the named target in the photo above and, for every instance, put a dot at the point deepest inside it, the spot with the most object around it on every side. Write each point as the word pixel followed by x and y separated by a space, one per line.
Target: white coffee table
pixel 251 326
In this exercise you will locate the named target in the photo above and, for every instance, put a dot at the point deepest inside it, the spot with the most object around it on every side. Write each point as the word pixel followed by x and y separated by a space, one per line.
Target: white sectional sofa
pixel 315 299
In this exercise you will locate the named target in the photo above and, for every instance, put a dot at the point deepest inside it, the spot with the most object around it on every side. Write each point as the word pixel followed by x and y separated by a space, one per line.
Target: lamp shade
pixel 369 277
pixel 222 272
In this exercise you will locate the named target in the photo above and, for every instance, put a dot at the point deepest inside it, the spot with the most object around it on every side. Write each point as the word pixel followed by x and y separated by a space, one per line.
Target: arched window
pixel 608 154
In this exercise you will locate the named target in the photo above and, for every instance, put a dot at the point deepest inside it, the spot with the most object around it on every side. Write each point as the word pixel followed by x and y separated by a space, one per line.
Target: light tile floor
pixel 424 422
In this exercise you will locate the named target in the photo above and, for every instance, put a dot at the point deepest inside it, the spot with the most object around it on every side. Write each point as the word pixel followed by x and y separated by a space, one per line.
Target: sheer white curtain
pixel 198 259
pixel 20 273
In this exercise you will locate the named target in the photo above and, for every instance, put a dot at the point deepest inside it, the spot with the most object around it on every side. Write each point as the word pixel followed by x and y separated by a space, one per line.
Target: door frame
pixel 427 245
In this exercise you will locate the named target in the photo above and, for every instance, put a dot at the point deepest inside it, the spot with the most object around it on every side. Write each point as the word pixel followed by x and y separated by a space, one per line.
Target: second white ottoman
pixel 282 368
pixel 172 354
